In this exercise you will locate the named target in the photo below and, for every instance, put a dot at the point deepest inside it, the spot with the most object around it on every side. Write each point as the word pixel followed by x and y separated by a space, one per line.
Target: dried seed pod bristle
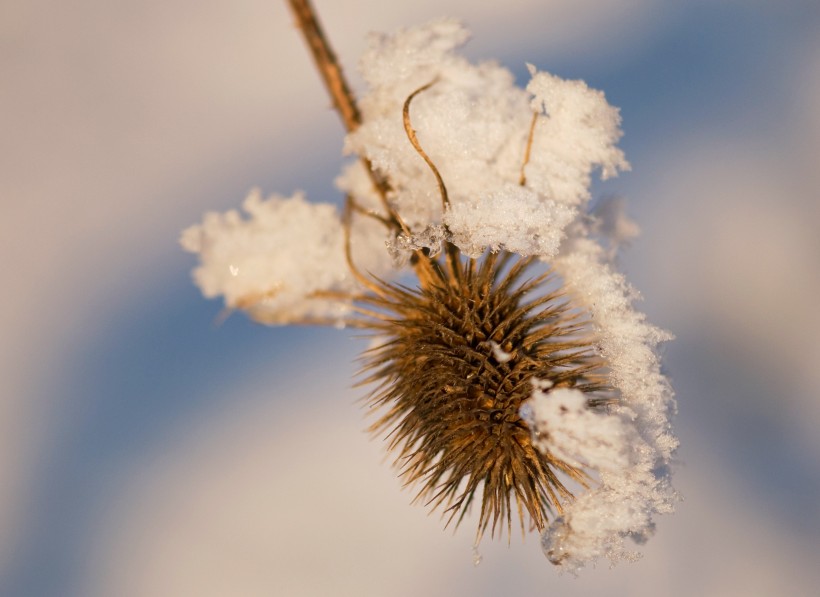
pixel 458 358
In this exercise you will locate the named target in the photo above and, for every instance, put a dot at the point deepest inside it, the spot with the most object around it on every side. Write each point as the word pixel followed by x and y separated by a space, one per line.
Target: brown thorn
pixel 426 269
pixel 523 178
pixel 456 270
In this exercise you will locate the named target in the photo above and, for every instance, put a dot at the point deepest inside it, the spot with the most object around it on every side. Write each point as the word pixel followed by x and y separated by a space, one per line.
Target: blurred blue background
pixel 146 451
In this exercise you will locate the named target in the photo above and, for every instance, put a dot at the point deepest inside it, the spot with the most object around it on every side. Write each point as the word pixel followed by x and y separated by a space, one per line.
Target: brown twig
pixel 346 224
pixel 339 91
pixel 523 179
pixel 327 64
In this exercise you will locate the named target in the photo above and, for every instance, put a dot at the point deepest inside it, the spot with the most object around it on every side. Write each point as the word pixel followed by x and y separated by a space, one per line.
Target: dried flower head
pixel 457 361
pixel 499 380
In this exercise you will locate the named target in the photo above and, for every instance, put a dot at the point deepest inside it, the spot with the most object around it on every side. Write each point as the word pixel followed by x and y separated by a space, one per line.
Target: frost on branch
pixel 517 185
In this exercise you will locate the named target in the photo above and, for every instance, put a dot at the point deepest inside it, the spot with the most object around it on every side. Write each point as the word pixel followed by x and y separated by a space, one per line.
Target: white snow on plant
pixel 473 122
pixel 285 260
pixel 500 355
pixel 577 135
pixel 522 222
pixel 634 459
pixel 275 261
pixel 565 427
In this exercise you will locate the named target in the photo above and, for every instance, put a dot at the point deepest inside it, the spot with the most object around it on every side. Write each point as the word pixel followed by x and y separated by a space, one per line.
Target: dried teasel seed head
pixel 457 358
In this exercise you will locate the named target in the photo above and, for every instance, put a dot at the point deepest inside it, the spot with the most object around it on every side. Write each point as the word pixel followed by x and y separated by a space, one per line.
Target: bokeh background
pixel 145 451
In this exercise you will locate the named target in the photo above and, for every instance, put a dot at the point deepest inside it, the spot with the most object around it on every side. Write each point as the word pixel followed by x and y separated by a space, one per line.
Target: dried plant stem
pixel 327 64
pixel 361 278
pixel 337 87
pixel 355 207
pixel 523 179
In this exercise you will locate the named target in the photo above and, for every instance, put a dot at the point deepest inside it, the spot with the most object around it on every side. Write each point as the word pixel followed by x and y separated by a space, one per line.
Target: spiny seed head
pixel 458 358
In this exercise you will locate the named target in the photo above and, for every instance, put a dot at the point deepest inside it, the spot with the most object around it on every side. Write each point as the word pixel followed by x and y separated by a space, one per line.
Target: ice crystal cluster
pixel 594 407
